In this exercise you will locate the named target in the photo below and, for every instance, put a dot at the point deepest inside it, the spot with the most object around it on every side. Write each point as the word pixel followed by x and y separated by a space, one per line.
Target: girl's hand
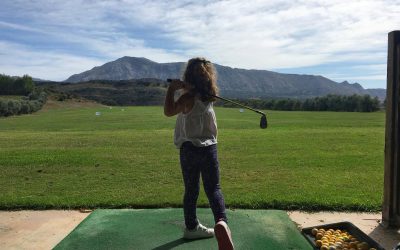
pixel 176 84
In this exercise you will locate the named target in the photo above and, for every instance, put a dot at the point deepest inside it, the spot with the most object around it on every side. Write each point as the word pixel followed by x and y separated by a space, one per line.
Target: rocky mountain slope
pixel 233 82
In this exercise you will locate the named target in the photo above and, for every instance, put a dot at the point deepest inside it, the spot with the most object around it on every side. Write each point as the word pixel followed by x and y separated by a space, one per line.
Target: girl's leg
pixel 210 176
pixel 191 179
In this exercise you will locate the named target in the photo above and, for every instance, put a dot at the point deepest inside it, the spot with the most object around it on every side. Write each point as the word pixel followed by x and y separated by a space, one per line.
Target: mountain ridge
pixel 232 82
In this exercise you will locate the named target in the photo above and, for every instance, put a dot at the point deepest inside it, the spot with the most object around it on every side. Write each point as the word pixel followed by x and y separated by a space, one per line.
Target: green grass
pixel 70 158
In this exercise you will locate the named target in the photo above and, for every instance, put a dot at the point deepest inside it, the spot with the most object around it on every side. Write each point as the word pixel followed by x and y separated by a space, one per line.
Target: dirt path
pixel 44 229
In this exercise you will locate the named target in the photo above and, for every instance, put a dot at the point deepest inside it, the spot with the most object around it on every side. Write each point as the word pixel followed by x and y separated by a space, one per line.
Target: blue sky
pixel 341 40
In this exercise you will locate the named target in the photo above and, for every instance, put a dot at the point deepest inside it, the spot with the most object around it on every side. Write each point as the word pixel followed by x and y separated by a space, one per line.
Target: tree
pixel 16 86
pixel 6 83
pixel 28 84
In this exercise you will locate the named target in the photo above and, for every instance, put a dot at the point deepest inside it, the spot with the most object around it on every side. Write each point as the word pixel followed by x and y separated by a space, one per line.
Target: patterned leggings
pixel 204 160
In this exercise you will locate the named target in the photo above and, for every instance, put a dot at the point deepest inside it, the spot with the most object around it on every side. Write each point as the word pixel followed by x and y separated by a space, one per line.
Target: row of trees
pixel 132 92
pixel 353 103
pixel 16 85
pixel 32 98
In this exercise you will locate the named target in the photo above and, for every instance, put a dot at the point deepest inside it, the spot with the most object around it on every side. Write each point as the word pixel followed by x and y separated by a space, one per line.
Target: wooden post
pixel 391 195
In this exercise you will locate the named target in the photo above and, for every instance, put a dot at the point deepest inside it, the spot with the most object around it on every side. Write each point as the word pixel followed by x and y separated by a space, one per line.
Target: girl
pixel 196 137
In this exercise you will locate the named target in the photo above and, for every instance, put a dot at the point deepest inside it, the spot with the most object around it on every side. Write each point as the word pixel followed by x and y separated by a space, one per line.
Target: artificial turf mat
pixel 162 229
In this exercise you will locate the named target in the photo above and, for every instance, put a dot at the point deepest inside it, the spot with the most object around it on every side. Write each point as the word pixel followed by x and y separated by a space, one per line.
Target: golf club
pixel 263 120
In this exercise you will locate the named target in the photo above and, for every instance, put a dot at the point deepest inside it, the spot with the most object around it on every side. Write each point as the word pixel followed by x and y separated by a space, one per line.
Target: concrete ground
pixel 44 229
pixel 36 229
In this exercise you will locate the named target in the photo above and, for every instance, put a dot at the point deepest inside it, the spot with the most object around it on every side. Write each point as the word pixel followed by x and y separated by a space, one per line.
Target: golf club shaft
pixel 241 105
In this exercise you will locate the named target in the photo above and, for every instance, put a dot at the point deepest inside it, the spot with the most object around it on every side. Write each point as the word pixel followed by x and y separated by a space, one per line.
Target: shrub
pixel 30 104
pixel 3 107
pixel 25 107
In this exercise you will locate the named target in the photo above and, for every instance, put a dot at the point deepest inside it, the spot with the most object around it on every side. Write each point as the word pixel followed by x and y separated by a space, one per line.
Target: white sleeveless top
pixel 199 126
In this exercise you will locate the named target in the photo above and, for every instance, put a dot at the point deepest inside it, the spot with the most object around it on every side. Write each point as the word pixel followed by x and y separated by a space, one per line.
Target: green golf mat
pixel 162 229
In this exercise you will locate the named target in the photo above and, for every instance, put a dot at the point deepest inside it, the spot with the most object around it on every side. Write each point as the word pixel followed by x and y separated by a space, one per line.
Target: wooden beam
pixel 391 195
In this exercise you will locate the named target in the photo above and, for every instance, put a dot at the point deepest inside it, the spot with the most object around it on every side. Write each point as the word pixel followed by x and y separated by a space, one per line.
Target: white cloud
pixel 52 65
pixel 20 27
pixel 283 34
pixel 41 64
pixel 247 34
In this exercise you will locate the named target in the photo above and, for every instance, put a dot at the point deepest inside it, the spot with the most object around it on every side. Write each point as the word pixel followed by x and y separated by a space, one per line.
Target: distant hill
pixel 39 80
pixel 380 93
pixel 232 82
pixel 109 92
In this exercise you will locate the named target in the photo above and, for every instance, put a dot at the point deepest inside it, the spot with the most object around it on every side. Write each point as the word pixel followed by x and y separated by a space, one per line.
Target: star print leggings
pixel 195 161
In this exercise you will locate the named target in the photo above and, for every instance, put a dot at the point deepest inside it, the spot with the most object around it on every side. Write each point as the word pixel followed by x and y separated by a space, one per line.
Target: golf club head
pixel 263 122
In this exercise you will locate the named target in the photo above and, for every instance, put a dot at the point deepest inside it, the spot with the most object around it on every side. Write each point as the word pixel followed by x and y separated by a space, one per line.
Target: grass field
pixel 70 158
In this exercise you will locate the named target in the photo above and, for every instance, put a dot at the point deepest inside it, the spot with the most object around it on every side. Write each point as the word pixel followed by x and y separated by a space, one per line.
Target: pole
pixel 391 192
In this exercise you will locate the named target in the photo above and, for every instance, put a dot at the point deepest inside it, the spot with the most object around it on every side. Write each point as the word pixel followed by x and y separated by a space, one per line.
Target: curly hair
pixel 202 76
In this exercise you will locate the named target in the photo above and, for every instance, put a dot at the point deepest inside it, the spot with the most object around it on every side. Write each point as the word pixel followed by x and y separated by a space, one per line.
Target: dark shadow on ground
pixel 173 244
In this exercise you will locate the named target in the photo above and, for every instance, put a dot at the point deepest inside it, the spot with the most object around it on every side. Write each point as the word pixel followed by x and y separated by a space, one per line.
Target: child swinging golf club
pixel 196 137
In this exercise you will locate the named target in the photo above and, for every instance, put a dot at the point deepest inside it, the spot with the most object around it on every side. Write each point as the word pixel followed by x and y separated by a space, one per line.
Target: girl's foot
pixel 198 232
pixel 223 235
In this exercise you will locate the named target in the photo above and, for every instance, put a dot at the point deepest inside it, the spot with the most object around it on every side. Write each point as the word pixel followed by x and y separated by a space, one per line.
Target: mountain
pixel 126 68
pixel 39 80
pixel 232 82
pixel 380 93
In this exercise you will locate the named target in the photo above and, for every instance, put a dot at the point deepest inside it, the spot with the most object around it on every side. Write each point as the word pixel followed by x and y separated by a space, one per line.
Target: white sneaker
pixel 198 233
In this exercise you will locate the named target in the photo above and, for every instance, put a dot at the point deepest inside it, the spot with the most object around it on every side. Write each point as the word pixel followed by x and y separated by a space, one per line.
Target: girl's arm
pixel 172 107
